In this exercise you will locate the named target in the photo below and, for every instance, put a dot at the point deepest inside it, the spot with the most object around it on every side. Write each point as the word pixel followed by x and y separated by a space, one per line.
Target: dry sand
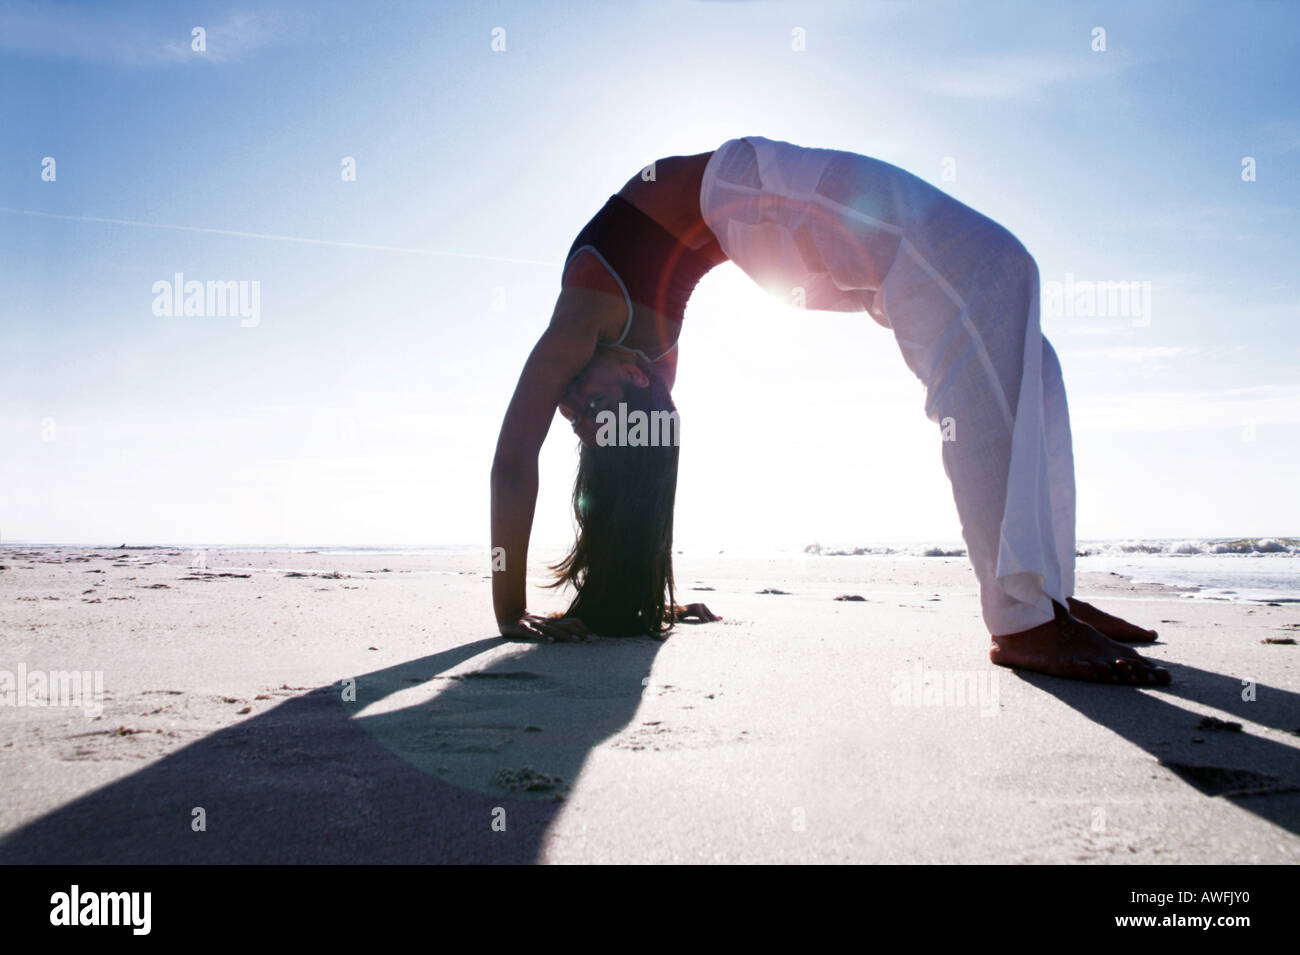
pixel 786 733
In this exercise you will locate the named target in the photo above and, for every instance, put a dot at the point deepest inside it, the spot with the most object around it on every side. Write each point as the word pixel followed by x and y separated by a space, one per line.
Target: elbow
pixel 511 470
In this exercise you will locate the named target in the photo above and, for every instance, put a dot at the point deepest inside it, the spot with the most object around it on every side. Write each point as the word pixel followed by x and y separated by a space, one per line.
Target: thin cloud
pixel 1233 408
pixel 1204 221
pixel 1013 76
pixel 135 38
pixel 301 240
pixel 1131 353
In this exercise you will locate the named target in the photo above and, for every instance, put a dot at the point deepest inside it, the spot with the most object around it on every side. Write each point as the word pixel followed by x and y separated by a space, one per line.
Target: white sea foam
pixel 1246 546
pixel 1245 568
pixel 1286 546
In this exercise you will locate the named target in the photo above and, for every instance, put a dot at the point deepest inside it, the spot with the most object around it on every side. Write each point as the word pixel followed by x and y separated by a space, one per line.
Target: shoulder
pixel 591 297
pixel 587 269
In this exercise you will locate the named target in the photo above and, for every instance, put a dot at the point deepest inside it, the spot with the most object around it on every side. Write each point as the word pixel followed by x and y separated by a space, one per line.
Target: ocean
pixel 1263 569
pixel 1244 568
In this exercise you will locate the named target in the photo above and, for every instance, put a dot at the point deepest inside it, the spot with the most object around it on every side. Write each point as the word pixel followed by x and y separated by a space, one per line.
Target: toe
pixel 1101 672
pixel 1127 671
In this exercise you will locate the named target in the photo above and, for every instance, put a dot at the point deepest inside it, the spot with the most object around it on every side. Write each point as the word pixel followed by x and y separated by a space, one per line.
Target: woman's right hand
pixel 535 627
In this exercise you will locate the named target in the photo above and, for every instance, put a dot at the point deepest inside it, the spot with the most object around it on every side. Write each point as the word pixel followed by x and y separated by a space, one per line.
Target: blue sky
pixel 396 309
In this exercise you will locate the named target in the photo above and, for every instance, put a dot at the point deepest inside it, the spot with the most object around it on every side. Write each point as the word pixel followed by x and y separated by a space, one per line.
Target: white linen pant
pixel 962 298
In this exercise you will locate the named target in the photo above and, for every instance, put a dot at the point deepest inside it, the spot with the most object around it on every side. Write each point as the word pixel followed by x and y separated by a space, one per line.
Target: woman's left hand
pixel 699 612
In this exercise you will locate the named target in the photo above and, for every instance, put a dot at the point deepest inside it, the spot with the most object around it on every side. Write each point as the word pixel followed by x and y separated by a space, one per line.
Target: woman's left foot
pixel 1109 624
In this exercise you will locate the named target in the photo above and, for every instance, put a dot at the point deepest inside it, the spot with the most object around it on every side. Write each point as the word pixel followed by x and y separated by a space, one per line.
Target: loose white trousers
pixel 838 231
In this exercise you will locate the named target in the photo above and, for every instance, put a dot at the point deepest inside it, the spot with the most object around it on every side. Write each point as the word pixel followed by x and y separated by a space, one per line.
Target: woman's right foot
pixel 1069 648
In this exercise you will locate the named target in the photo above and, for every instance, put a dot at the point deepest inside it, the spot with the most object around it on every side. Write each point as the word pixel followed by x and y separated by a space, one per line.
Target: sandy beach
pixel 311 707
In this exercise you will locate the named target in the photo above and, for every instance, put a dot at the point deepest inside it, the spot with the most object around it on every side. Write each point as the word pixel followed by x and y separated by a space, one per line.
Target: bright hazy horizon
pixel 393 198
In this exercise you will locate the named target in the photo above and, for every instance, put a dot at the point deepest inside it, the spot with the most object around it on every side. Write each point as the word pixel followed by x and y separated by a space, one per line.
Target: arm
pixel 557 358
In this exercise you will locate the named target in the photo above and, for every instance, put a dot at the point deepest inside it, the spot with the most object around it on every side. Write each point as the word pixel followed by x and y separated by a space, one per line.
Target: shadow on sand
pixel 1260 775
pixel 316 779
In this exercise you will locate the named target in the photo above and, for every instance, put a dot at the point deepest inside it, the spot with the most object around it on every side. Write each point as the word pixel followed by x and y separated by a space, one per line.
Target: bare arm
pixel 559 355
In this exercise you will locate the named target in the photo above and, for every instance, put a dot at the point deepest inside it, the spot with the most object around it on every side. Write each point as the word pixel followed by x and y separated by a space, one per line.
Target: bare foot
pixel 1108 624
pixel 1070 648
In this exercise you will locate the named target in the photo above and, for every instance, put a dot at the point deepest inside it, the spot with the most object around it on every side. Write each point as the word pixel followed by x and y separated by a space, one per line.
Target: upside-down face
pixel 600 386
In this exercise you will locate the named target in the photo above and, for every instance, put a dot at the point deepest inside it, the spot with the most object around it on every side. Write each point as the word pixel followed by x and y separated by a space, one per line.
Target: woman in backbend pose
pixel 845 233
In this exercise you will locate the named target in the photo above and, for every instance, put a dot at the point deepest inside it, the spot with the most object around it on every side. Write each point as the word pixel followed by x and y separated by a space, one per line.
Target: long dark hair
pixel 621 563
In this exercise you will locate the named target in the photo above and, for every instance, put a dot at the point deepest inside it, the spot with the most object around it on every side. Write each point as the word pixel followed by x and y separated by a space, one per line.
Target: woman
pixel 827 230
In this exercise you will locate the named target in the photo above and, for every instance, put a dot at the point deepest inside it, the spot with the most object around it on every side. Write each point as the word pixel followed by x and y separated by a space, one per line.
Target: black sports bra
pixel 651 265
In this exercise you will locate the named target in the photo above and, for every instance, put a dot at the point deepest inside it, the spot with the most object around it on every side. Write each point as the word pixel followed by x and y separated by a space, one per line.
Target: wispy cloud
pixel 1205 221
pixel 302 240
pixel 1016 75
pixel 1232 408
pixel 133 37
pixel 1131 353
